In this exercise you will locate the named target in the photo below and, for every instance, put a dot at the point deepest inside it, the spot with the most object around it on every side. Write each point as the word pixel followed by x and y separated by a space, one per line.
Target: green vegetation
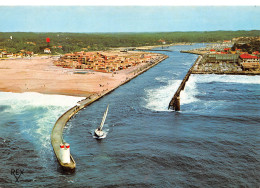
pixel 71 42
pixel 247 45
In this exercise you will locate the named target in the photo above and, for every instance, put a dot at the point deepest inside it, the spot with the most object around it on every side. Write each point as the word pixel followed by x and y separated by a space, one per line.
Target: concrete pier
pixel 222 64
pixel 57 139
pixel 175 102
pixel 57 131
pixel 154 50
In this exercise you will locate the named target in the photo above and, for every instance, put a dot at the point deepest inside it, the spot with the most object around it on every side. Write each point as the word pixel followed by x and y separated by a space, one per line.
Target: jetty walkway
pixel 203 66
pixel 155 50
pixel 56 134
pixel 57 131
pixel 175 102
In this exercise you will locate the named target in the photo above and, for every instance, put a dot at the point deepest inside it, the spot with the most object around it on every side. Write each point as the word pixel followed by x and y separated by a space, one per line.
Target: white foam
pixel 37 99
pixel 37 113
pixel 243 79
pixel 158 98
pixel 162 79
pixel 190 91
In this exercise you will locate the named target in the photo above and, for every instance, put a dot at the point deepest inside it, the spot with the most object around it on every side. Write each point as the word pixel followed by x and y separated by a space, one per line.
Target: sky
pixel 89 19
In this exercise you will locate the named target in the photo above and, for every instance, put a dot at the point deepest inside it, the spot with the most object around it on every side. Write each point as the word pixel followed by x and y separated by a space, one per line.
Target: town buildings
pixel 249 62
pixel 245 61
pixel 103 61
pixel 21 53
pixel 223 59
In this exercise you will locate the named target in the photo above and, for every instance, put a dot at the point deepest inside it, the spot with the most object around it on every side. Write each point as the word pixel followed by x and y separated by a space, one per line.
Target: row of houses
pixel 22 53
pixel 225 51
pixel 102 61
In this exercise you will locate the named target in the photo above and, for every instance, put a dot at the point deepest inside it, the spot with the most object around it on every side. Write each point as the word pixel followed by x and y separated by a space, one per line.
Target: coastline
pixel 147 48
pixel 39 74
pixel 57 131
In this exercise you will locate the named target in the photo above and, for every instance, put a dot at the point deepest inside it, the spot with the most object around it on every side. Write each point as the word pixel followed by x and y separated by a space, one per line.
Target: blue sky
pixel 128 18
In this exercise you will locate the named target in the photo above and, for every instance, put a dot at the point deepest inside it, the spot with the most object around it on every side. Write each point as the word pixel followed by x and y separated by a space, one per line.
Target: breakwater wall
pixel 154 50
pixel 57 131
pixel 175 101
pixel 203 66
pixel 197 52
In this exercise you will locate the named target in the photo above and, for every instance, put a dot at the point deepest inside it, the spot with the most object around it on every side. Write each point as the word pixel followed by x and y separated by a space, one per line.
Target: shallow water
pixel 212 142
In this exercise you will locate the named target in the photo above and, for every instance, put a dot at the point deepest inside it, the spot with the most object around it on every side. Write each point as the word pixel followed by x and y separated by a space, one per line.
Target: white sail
pixel 104 119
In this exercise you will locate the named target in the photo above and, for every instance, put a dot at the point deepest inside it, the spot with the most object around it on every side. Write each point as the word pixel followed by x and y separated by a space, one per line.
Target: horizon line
pixel 130 3
pixel 125 31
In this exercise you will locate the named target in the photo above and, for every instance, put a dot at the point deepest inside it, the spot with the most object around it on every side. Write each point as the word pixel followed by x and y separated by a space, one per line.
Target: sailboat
pixel 98 132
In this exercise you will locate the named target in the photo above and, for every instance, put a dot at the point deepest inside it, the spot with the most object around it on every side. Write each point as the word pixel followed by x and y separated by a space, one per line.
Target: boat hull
pixel 98 133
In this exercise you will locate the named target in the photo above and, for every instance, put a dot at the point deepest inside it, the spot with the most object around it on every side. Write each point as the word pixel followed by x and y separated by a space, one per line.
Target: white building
pixel 47 50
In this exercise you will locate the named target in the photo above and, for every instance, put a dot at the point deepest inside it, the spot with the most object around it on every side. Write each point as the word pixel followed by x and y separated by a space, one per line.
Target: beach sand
pixel 39 74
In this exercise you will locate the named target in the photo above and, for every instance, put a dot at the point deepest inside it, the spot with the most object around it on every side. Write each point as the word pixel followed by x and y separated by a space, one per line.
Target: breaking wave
pixel 190 91
pixel 158 99
pixel 21 100
pixel 243 79
pixel 36 113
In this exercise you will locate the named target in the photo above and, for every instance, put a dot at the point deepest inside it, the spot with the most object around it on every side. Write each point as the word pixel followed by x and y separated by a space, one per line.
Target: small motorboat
pixel 98 132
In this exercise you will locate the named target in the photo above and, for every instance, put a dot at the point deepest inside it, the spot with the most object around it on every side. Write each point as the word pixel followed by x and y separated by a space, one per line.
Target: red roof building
pixel 47 50
pixel 212 51
pixel 29 53
pixel 249 62
pixel 226 41
pixel 248 56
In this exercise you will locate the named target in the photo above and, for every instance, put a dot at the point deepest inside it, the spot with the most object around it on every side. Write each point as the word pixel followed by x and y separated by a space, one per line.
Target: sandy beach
pixel 39 74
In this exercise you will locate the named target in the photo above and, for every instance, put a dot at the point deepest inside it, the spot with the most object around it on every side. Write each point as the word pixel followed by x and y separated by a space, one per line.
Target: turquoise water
pixel 212 142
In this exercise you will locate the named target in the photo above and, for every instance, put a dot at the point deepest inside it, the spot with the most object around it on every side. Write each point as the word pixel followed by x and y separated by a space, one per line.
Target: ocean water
pixel 212 142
